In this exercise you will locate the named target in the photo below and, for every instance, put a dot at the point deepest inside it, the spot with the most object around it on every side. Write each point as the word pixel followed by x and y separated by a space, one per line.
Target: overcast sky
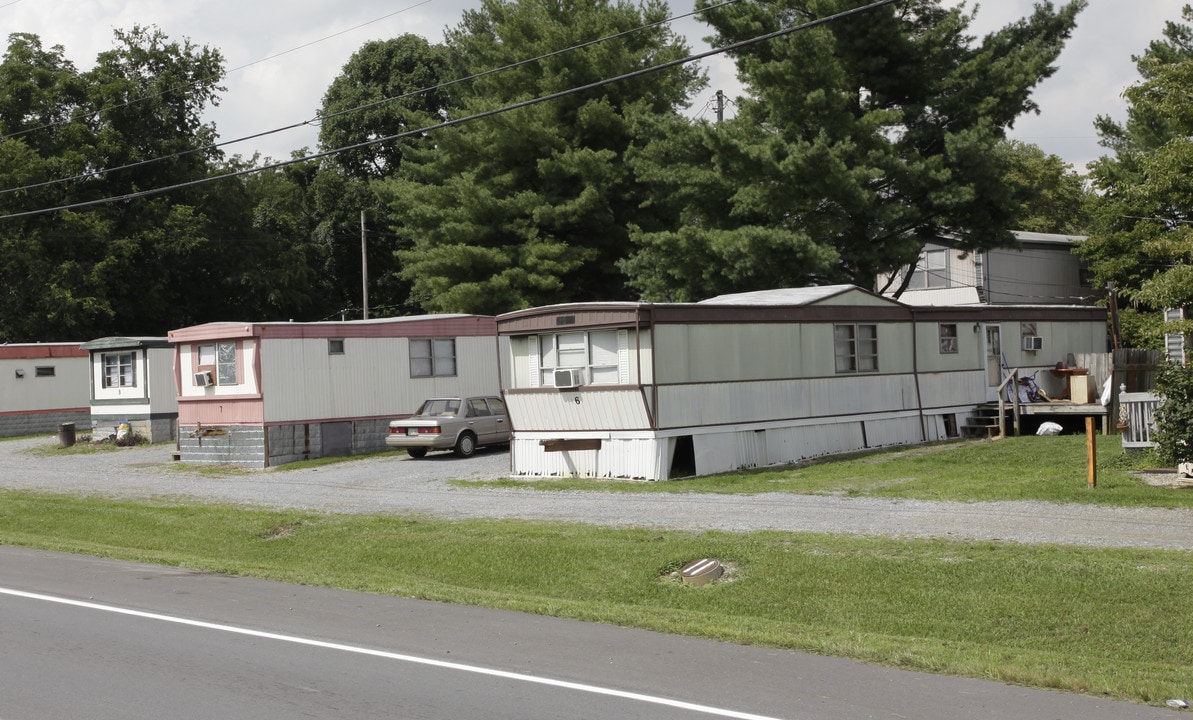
pixel 281 56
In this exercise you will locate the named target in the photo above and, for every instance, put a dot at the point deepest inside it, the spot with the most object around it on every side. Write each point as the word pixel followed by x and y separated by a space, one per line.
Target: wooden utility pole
pixel 364 269
pixel 720 106
pixel 1114 326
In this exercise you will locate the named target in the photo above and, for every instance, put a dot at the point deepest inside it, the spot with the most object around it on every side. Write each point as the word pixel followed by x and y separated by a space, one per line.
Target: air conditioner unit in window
pixel 203 379
pixel 569 378
pixel 1033 342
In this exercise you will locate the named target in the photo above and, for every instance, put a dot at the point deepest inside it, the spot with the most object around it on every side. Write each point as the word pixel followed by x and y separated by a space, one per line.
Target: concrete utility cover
pixel 699 572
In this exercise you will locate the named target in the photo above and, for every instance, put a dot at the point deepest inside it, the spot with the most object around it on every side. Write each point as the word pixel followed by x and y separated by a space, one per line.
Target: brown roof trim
pixel 1011 313
pixel 416 326
pixel 39 351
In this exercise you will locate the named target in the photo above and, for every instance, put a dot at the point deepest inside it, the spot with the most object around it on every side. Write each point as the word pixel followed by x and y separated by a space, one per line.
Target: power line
pixel 184 87
pixel 470 118
pixel 366 106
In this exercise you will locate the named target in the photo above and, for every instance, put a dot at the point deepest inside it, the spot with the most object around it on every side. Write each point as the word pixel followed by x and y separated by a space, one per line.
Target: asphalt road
pixel 112 640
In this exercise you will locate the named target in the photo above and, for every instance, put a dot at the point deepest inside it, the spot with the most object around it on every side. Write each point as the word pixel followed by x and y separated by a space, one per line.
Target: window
pixel 856 348
pixel 119 370
pixel 220 357
pixel 432 357
pixel 335 346
pixel 948 338
pixel 931 271
pixel 596 352
pixel 936 268
pixel 43 371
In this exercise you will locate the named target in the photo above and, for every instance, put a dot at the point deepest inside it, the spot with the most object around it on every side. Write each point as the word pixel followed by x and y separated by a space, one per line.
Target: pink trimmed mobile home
pixel 263 394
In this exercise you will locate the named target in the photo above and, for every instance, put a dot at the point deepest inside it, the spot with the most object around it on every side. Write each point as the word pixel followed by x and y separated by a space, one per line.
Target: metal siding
pixel 69 388
pixel 950 389
pixel 163 391
pixel 558 411
pixel 1034 276
pixel 301 381
pixel 633 458
pixel 222 411
pixel 744 402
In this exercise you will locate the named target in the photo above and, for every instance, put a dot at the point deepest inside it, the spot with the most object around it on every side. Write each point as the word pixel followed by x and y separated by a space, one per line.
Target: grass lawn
pixel 1115 623
pixel 1052 469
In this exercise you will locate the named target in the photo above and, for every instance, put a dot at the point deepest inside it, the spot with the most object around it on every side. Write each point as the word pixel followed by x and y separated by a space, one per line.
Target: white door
pixel 994 371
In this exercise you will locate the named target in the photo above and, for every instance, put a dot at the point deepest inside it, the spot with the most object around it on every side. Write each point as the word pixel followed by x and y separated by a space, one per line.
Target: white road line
pixel 395 656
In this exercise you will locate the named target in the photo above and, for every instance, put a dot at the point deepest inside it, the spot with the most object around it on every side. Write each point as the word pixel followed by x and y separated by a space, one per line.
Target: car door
pixel 481 420
pixel 501 425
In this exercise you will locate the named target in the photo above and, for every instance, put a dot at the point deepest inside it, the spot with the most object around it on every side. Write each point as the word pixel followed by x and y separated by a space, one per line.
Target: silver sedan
pixel 458 424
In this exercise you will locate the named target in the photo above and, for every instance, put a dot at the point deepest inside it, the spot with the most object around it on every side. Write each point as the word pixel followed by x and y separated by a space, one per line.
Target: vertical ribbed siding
pixel 631 458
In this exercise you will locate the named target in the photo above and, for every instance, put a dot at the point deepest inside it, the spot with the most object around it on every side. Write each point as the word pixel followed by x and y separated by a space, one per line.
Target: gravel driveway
pixel 394 483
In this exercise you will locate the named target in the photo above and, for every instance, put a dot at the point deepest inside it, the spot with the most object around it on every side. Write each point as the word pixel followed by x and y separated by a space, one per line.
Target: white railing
pixel 1138 411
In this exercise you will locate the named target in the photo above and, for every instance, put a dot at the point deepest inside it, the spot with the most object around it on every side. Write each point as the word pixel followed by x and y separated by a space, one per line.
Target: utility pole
pixel 364 269
pixel 1114 327
pixel 720 106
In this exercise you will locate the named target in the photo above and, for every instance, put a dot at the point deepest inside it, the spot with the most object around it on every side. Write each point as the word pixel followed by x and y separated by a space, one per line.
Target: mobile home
pixel 656 391
pixel 132 381
pixel 42 386
pixel 262 394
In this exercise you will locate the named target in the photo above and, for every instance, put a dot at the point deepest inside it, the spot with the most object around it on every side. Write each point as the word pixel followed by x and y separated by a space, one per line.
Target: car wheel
pixel 417 452
pixel 466 445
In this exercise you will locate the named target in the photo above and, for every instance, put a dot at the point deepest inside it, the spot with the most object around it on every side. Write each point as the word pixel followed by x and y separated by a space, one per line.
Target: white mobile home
pixel 132 381
pixel 42 385
pixel 653 391
pixel 263 394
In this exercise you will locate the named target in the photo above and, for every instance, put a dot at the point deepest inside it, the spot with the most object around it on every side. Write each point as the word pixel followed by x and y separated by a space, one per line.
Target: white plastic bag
pixel 1049 428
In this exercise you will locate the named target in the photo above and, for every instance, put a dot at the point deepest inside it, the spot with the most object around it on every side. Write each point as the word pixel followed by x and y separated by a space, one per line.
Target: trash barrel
pixel 66 435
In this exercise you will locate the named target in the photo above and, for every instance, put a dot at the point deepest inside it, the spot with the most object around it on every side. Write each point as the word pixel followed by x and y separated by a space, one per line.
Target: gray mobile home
pixel 654 391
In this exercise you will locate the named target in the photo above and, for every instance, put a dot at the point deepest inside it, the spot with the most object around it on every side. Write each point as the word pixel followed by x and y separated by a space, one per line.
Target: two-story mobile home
pixel 132 381
pixel 263 394
pixel 42 385
pixel 1042 271
pixel 655 391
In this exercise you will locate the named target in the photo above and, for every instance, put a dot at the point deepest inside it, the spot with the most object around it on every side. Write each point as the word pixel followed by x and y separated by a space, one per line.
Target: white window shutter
pixel 532 361
pixel 623 357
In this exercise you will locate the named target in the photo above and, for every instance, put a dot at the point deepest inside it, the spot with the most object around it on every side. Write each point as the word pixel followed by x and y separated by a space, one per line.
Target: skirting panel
pixel 256 446
pixel 716 450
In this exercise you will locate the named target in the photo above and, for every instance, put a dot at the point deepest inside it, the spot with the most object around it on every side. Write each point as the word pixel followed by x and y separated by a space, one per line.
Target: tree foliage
pixel 860 139
pixel 387 88
pixel 138 267
pixel 1174 415
pixel 533 206
pixel 1051 196
pixel 1142 237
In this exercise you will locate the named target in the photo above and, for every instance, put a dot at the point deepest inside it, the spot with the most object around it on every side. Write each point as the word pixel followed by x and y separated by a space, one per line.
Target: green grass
pixel 1052 469
pixel 1108 622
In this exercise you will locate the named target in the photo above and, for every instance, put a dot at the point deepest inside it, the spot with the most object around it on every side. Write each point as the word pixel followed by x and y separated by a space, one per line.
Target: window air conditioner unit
pixel 203 379
pixel 1033 342
pixel 569 378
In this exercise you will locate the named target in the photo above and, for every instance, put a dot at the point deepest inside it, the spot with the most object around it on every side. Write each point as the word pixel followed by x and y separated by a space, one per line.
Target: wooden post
pixel 1091 454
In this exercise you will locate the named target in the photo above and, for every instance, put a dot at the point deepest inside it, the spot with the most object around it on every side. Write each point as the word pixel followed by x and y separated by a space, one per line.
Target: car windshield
pixel 434 408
